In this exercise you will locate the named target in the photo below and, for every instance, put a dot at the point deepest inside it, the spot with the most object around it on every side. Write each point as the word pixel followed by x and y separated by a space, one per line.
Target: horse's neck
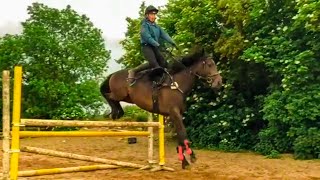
pixel 185 80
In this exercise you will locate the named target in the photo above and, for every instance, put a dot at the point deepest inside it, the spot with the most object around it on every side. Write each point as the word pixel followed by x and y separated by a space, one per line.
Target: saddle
pixel 159 77
pixel 156 75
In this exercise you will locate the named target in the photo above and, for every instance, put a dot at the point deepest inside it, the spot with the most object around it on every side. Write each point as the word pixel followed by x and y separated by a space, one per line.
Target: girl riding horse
pixel 150 34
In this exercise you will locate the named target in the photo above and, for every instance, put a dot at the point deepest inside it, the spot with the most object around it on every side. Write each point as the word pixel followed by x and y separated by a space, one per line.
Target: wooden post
pixel 151 162
pixel 161 147
pixel 150 143
pixel 6 124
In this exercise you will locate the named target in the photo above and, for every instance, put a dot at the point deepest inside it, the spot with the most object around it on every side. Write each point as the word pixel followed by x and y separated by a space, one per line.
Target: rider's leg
pixel 150 55
pixel 160 59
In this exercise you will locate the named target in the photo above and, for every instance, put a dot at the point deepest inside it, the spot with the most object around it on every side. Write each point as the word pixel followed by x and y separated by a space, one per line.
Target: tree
pixel 63 57
pixel 11 54
pixel 287 42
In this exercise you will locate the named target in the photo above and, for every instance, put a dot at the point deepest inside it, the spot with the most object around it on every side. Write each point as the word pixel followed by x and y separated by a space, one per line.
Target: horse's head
pixel 206 69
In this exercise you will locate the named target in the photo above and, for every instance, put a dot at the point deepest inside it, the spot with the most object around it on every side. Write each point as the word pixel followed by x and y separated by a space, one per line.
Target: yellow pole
pixel 40 172
pixel 16 123
pixel 161 141
pixel 81 133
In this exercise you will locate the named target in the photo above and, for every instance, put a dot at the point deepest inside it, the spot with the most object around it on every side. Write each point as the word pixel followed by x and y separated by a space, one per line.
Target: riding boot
pixel 156 69
pixel 132 72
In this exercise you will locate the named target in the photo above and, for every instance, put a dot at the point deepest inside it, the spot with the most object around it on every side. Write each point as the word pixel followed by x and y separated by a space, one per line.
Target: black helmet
pixel 151 9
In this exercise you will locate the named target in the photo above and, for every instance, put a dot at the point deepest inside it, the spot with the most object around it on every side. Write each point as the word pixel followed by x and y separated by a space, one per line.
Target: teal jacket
pixel 150 33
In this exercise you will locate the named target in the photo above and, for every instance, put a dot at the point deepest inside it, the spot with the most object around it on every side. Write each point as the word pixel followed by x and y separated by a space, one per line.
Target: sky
pixel 107 15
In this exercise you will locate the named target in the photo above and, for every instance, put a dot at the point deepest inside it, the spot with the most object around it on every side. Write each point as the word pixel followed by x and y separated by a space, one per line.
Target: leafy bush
pixel 307 145
pixel 274 139
pixel 135 113
pixel 274 155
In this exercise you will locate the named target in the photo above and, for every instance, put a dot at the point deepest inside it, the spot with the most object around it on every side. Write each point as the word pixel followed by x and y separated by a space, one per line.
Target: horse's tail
pixel 104 87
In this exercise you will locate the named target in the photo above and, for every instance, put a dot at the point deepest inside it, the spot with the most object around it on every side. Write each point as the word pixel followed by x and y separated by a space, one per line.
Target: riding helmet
pixel 151 9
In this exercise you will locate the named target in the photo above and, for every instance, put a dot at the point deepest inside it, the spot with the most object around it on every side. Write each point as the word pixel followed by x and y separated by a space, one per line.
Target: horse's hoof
pixel 114 116
pixel 119 114
pixel 193 158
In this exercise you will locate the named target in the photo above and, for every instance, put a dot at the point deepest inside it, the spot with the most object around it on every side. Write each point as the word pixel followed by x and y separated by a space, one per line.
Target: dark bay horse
pixel 171 93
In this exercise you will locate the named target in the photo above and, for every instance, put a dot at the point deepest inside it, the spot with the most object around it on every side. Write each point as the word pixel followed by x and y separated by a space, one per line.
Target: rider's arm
pixel 165 36
pixel 146 36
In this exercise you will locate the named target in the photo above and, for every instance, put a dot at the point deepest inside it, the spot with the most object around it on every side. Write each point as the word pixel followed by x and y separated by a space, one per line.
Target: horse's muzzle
pixel 216 84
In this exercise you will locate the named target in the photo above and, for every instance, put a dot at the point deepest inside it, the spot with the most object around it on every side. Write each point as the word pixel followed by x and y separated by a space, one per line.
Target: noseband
pixel 208 78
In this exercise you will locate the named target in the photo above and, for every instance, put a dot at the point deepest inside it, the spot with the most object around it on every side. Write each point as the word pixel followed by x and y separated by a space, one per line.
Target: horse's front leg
pixel 183 142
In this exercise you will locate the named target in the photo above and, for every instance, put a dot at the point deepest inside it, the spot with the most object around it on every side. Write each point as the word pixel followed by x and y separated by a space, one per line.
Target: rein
pixel 208 78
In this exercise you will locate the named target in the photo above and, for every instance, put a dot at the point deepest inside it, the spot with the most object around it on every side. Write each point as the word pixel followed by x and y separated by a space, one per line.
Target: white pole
pixel 6 124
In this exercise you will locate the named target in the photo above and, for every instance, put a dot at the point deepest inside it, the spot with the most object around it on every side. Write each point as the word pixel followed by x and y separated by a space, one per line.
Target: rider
pixel 150 34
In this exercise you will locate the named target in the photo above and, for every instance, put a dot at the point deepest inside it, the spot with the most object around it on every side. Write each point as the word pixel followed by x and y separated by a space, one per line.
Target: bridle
pixel 208 78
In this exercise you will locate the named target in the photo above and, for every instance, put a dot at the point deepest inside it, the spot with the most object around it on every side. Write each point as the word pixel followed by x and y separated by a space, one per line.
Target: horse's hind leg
pixel 108 93
pixel 114 108
pixel 120 111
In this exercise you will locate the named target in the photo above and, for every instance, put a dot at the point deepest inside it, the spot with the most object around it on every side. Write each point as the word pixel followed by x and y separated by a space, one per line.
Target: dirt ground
pixel 210 164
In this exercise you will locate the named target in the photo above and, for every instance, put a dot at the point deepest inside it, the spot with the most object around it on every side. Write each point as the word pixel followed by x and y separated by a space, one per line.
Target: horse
pixel 166 96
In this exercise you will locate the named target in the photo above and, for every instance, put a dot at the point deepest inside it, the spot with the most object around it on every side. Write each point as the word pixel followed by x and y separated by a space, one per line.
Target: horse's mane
pixel 178 65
